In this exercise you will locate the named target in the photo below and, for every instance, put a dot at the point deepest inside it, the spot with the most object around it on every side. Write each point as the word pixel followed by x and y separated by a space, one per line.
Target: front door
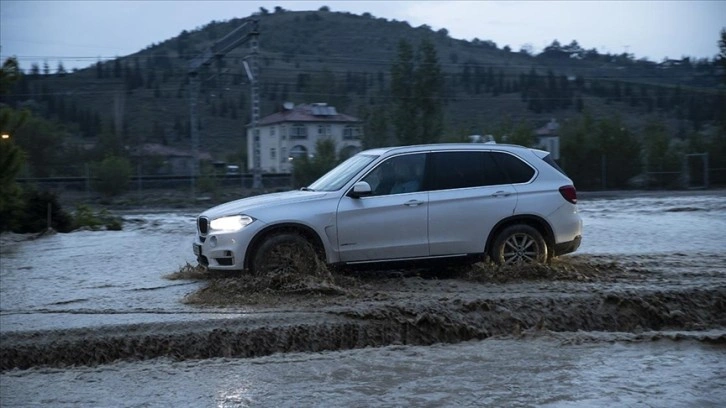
pixel 392 223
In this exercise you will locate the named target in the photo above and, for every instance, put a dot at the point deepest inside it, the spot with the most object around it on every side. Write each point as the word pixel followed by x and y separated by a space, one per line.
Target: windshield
pixel 340 175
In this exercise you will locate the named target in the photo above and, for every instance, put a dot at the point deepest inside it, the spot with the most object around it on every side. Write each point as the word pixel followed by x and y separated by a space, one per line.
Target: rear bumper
pixel 568 247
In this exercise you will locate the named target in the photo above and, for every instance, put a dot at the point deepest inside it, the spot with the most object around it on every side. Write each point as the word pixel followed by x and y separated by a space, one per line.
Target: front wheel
pixel 284 253
pixel 519 244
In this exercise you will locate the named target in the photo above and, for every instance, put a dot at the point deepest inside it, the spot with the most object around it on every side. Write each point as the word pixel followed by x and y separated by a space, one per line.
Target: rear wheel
pixel 284 253
pixel 519 244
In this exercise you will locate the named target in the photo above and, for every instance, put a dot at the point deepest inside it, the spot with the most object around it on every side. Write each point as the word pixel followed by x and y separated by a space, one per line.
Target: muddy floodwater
pixel 549 371
pixel 636 318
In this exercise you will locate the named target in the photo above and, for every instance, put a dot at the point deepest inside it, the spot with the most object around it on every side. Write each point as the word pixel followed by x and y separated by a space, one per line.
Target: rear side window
pixel 451 170
pixel 548 159
pixel 516 170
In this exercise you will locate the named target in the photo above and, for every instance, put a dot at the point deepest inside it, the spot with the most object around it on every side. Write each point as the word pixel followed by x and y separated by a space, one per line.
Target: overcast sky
pixel 78 33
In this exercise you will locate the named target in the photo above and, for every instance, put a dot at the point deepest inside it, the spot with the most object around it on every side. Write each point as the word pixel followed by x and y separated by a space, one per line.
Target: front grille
pixel 203 225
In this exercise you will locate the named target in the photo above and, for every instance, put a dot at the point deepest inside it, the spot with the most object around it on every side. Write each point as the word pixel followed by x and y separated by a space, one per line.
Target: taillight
pixel 569 193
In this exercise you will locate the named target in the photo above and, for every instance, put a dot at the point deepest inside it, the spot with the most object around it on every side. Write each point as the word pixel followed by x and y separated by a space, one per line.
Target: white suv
pixel 511 203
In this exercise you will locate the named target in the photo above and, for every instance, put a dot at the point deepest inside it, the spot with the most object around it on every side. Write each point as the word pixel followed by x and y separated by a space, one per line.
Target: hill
pixel 345 60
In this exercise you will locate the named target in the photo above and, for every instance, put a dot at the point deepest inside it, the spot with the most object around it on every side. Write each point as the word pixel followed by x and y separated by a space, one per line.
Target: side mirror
pixel 360 189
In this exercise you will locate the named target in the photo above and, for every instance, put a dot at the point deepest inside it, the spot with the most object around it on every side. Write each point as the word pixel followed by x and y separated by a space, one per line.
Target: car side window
pixel 516 170
pixel 397 175
pixel 451 170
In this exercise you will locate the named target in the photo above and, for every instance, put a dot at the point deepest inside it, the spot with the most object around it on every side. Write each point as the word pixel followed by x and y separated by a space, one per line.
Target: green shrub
pixel 86 217
pixel 33 216
pixel 112 176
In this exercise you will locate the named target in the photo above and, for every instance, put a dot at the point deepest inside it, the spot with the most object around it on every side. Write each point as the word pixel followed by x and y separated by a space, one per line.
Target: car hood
pixel 249 205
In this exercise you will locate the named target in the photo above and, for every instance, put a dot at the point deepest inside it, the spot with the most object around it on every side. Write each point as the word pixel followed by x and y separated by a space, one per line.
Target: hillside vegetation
pixel 637 109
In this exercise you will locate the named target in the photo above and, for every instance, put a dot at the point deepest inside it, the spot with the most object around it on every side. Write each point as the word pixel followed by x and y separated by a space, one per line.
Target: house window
pixel 351 133
pixel 323 130
pixel 283 155
pixel 298 151
pixel 298 132
pixel 272 131
pixel 273 153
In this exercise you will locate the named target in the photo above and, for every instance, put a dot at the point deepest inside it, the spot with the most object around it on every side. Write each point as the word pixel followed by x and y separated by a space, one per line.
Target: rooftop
pixel 314 112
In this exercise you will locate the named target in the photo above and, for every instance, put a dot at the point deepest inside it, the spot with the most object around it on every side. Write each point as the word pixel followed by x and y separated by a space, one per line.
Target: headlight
pixel 231 223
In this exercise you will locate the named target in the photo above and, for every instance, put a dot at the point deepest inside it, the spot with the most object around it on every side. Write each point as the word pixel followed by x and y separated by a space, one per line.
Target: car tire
pixel 284 253
pixel 519 244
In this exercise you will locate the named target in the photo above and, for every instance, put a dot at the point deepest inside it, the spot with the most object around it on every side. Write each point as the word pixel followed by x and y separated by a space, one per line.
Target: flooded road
pixel 93 279
pixel 549 371
pixel 686 224
pixel 111 277
pixel 98 277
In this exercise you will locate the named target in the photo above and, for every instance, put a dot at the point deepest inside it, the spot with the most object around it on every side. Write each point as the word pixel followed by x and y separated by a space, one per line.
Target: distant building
pixel 294 131
pixel 671 63
pixel 548 138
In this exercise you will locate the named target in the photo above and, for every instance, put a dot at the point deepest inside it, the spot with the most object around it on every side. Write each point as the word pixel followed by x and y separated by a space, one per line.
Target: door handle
pixel 502 194
pixel 413 203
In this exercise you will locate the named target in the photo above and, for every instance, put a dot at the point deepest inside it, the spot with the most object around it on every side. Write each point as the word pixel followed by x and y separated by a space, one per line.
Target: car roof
pixel 445 147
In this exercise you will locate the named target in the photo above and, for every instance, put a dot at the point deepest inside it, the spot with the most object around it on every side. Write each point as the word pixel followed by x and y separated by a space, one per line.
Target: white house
pixel 294 131
pixel 548 138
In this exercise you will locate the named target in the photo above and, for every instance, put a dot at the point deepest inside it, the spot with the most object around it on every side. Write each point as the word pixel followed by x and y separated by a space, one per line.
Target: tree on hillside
pixel 619 152
pixel 416 86
pixel 42 141
pixel 61 70
pixel 112 175
pixel 427 93
pixel 521 134
pixel 9 74
pixel 722 54
pixel 656 141
pixel 402 85
pixel 376 126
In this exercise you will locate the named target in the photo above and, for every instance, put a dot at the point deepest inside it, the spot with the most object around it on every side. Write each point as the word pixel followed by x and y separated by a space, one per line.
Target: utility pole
pixel 253 70
pixel 248 31
pixel 194 126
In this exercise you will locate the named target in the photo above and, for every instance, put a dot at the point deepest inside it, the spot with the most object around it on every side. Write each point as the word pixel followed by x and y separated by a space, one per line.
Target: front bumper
pixel 224 250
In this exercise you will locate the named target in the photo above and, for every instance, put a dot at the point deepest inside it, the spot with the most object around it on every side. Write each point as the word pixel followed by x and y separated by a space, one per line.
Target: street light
pixel 5 136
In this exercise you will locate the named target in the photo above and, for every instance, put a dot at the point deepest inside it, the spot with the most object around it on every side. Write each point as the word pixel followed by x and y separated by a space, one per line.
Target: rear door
pixel 468 195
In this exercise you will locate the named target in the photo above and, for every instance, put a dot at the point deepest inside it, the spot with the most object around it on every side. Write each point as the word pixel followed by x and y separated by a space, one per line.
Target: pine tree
pixel 402 88
pixel 99 70
pixel 427 93
pixel 417 86
pixel 60 70
pixel 117 68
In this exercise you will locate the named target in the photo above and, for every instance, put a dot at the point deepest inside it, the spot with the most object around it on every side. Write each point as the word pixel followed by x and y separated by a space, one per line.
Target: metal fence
pixel 199 184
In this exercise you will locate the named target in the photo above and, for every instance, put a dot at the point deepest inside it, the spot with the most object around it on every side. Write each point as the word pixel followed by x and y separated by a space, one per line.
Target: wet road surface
pixel 91 279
